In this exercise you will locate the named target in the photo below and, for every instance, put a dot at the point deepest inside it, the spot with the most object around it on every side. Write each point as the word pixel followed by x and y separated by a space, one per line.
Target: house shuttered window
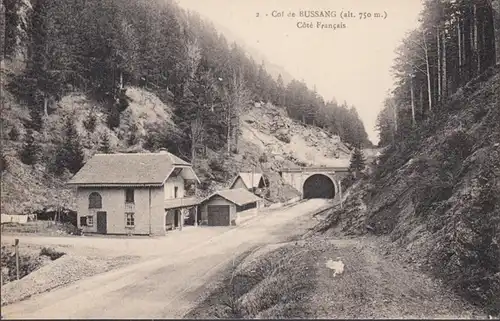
pixel 95 200
pixel 90 220
pixel 129 195
pixel 129 219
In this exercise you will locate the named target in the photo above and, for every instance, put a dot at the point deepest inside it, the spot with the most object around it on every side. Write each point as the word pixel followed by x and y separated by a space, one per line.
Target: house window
pixel 95 200
pixel 246 207
pixel 129 195
pixel 176 188
pixel 129 219
pixel 83 221
pixel 90 220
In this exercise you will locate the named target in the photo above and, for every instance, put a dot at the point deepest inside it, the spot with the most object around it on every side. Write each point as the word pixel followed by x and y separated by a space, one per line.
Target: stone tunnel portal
pixel 318 186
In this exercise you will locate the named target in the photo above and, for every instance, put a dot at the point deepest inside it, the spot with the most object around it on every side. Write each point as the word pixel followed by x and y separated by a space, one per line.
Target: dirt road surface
pixel 170 282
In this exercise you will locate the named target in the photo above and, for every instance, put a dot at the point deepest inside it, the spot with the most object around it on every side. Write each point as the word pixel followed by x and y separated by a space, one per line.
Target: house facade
pixel 134 194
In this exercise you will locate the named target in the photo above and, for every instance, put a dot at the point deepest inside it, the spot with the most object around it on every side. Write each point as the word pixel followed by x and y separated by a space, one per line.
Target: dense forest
pixel 101 47
pixel 437 184
pixel 454 44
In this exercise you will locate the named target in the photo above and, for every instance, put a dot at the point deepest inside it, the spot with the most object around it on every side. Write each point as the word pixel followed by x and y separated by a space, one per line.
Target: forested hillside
pixel 82 77
pixel 457 42
pixel 436 188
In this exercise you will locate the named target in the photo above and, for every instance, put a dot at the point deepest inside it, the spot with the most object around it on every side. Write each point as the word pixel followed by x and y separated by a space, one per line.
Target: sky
pixel 350 63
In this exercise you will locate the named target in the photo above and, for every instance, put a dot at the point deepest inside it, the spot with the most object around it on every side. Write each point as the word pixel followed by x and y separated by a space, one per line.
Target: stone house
pixel 136 193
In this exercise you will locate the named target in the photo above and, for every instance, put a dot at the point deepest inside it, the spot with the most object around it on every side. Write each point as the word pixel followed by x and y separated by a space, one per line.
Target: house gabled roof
pixel 238 196
pixel 149 169
pixel 247 179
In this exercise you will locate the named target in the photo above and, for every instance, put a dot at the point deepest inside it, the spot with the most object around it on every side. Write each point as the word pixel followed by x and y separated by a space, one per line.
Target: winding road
pixel 169 285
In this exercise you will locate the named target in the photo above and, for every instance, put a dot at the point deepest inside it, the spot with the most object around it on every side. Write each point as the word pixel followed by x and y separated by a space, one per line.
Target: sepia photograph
pixel 250 159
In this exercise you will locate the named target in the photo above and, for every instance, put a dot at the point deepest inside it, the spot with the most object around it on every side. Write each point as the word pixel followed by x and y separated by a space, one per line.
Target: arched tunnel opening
pixel 318 186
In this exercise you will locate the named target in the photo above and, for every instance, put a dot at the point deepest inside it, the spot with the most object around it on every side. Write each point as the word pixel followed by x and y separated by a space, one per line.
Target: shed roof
pixel 132 168
pixel 238 196
pixel 247 179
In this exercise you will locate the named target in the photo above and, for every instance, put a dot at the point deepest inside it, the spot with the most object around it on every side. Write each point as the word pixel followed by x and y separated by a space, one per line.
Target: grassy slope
pixel 438 195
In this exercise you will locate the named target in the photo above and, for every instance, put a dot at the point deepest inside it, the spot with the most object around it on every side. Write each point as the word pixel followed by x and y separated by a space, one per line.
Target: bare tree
pixel 193 53
pixel 427 65
pixel 439 62
pixel 417 57
pixel 412 97
pixel 238 98
pixel 495 5
pixel 196 136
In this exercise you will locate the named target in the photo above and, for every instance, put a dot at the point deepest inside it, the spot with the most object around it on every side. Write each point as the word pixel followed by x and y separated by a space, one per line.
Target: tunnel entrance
pixel 318 186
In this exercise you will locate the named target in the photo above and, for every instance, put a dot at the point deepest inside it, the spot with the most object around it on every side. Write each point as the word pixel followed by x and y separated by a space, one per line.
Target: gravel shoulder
pixel 46 274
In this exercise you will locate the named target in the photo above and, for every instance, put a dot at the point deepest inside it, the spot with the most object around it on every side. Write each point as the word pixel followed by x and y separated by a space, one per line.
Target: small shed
pixel 249 181
pixel 223 207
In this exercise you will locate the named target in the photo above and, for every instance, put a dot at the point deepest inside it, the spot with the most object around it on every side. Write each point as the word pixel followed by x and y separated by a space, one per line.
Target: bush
pixel 3 162
pixel 27 264
pixel 284 137
pixel 216 164
pixel 164 135
pixel 455 150
pixel 14 134
pixel 347 181
pixel 51 253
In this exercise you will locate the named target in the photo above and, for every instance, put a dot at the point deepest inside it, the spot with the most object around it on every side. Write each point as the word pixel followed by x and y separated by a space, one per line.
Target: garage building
pixel 223 207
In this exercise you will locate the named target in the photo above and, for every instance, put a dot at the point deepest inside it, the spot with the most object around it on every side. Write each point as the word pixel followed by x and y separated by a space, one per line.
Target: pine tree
pixel 280 91
pixel 132 135
pixel 11 21
pixel 36 121
pixel 357 162
pixel 30 152
pixel 90 122
pixel 105 146
pixel 70 152
pixel 113 119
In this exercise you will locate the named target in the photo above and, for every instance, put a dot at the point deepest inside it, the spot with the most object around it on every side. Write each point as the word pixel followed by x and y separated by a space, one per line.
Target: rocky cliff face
pixel 282 138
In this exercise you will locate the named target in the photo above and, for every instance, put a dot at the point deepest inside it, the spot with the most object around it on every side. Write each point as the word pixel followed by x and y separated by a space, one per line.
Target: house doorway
pixel 198 215
pixel 176 218
pixel 218 215
pixel 101 222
